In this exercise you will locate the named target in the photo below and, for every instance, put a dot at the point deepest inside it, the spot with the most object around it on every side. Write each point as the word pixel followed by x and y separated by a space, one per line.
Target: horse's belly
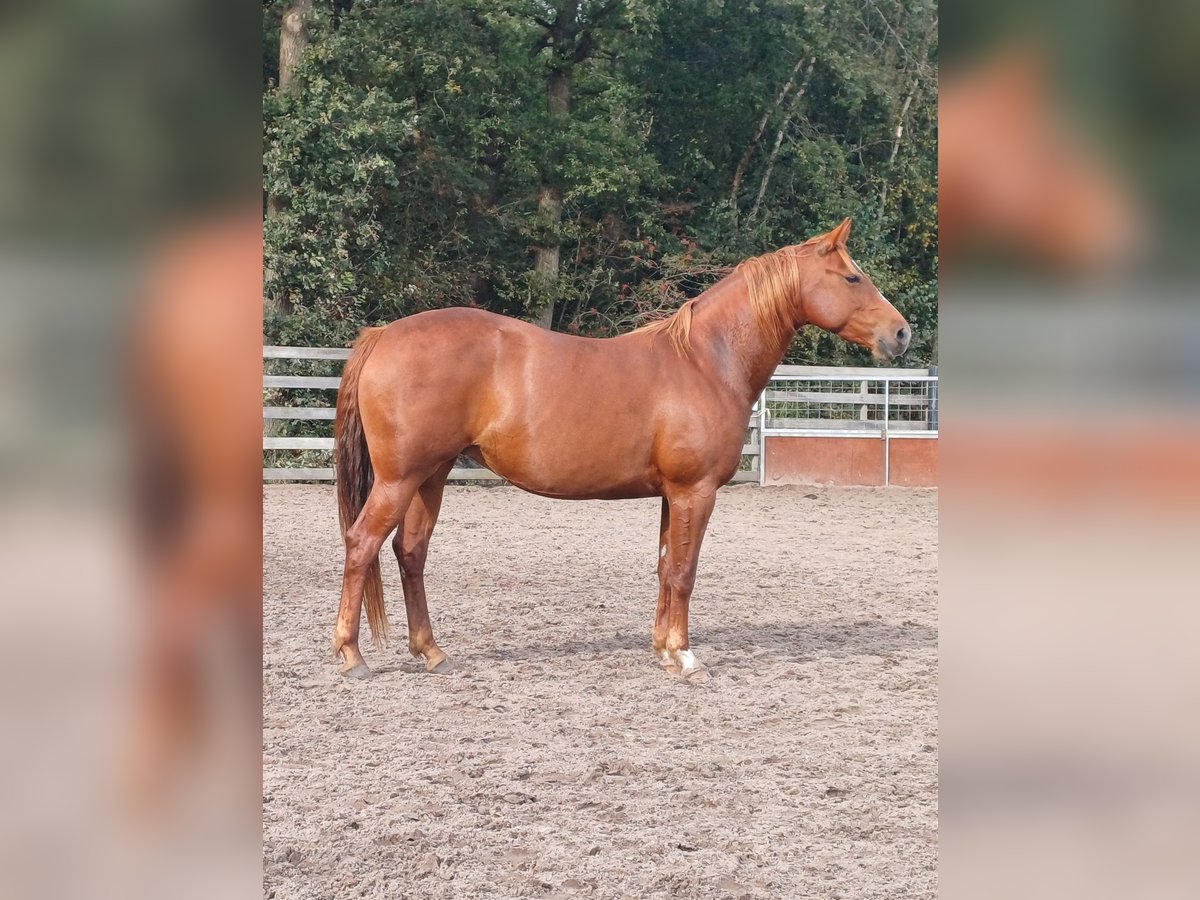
pixel 570 472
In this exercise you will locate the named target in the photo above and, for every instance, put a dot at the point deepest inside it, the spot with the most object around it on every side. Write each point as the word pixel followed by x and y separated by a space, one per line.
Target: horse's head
pixel 839 297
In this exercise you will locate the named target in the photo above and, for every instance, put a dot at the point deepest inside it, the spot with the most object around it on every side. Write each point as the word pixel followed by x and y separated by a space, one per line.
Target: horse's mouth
pixel 886 351
pixel 883 350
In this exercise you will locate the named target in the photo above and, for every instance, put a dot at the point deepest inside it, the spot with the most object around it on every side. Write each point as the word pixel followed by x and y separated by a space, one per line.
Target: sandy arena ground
pixel 560 761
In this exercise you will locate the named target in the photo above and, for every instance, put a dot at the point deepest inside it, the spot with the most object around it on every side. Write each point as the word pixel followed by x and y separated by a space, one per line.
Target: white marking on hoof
pixel 665 656
pixel 686 660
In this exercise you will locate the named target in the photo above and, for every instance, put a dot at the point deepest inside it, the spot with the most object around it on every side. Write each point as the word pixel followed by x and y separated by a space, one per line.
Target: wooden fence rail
pixel 752 454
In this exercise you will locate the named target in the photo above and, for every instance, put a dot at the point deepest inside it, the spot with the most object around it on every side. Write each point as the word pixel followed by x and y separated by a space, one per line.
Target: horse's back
pixel 553 413
pixel 501 361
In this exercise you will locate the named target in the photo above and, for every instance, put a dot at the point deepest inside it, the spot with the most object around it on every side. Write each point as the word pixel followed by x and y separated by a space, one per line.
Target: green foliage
pixel 407 164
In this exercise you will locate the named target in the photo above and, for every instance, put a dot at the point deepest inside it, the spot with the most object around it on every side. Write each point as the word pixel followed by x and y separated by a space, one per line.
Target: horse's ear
pixel 837 237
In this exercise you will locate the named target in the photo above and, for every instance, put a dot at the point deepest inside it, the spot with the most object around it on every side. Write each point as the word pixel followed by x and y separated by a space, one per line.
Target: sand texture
pixel 560 760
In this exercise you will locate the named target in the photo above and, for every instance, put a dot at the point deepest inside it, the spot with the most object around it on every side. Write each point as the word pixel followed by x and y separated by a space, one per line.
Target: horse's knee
pixel 679 582
pixel 412 560
pixel 361 549
pixel 356 555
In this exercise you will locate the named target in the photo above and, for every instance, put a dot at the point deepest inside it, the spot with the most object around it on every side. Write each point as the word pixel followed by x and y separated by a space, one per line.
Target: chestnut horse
pixel 658 412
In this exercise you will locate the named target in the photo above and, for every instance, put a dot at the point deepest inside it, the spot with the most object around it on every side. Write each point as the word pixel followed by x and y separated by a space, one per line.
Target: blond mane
pixel 770 279
pixel 677 327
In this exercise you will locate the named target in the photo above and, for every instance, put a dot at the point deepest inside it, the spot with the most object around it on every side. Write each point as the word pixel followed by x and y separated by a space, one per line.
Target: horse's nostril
pixel 902 335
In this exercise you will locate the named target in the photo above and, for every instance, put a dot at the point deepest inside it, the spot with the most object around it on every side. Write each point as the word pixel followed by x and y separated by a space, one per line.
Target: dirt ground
pixel 560 761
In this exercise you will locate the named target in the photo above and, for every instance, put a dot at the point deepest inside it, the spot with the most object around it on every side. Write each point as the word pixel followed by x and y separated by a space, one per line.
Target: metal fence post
pixel 762 436
pixel 887 440
pixel 933 399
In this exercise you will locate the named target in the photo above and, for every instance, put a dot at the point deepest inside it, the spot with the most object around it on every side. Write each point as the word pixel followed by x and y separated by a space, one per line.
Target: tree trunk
pixel 740 172
pixel 779 135
pixel 883 191
pixel 293 38
pixel 550 200
pixel 919 63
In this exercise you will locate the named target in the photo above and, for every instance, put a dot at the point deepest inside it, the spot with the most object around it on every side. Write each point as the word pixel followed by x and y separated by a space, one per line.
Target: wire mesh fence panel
pixel 851 403
pixel 911 405
pixel 819 403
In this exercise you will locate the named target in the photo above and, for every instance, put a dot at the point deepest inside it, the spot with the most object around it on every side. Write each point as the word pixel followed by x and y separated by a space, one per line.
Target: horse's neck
pixel 738 347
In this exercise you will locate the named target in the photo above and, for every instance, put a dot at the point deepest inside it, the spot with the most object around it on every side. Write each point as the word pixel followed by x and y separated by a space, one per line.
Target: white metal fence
pixel 844 402
pixel 799 401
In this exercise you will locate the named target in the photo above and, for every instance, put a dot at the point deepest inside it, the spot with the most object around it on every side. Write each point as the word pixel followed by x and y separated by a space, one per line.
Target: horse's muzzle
pixel 892 344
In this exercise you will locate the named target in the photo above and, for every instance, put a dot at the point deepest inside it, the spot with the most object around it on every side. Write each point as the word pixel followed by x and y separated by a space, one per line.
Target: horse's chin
pixel 866 342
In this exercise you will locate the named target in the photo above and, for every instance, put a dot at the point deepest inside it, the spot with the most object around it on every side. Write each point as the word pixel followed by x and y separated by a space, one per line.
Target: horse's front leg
pixel 689 511
pixel 661 615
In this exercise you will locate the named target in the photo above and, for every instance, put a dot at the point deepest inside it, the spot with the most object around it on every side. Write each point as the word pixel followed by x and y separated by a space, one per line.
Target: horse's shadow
pixel 767 640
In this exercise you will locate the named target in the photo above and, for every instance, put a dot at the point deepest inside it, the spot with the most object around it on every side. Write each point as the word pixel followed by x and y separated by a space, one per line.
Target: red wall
pixel 850 461
pixel 914 462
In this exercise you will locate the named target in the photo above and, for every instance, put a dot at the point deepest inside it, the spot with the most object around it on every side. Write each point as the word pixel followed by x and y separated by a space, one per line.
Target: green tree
pixel 590 163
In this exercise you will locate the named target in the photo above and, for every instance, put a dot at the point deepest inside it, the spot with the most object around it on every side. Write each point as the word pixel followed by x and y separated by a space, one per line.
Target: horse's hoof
pixel 444 666
pixel 360 672
pixel 688 667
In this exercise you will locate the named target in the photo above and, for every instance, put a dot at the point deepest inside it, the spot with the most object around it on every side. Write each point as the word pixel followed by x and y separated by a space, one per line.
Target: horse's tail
pixel 352 466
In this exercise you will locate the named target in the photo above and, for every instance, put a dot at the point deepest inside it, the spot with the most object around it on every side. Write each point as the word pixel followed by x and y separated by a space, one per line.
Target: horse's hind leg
pixel 380 514
pixel 412 546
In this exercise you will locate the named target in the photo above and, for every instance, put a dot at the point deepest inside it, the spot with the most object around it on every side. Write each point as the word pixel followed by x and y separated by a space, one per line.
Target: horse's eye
pixel 853 279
